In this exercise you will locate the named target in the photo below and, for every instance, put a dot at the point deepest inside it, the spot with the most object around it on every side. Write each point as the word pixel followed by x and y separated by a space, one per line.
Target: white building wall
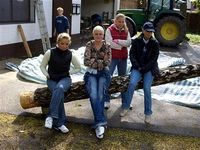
pixel 76 20
pixel 10 35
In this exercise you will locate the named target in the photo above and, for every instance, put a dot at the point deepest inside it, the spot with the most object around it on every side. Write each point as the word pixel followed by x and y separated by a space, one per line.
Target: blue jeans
pixel 135 77
pixel 97 85
pixel 56 108
pixel 121 65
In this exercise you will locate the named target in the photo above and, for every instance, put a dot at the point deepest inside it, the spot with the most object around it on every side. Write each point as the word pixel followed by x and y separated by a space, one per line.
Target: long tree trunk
pixel 42 96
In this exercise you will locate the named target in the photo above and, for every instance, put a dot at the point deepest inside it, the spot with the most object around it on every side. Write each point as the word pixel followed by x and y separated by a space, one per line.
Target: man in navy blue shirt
pixel 61 22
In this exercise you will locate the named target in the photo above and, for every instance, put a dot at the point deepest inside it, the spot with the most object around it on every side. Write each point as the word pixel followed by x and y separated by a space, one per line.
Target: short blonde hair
pixel 59 9
pixel 63 36
pixel 98 28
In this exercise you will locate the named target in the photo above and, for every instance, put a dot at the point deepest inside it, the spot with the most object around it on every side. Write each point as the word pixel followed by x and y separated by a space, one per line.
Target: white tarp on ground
pixel 30 70
pixel 186 92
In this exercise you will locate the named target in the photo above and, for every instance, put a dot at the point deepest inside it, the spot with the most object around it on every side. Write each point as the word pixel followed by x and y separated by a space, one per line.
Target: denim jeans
pixel 121 65
pixel 97 85
pixel 135 77
pixel 56 108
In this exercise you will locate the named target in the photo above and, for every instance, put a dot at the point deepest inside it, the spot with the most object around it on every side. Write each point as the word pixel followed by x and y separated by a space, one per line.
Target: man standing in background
pixel 61 22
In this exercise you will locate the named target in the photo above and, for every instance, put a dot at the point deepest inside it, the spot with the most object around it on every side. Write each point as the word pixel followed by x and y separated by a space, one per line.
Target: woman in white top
pixel 57 73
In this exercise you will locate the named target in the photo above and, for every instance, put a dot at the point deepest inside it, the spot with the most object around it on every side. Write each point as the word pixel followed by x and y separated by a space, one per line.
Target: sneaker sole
pixel 48 127
pixel 106 107
pixel 60 130
pixel 100 136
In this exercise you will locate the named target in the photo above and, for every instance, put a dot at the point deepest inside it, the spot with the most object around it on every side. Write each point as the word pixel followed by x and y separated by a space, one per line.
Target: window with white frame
pixel 17 11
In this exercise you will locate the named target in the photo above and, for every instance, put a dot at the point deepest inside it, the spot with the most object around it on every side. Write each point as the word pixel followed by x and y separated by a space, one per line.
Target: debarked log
pixel 41 96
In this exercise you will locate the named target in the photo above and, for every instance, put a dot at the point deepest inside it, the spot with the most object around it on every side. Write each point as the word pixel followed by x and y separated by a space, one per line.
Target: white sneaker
pixel 99 132
pixel 115 95
pixel 147 119
pixel 123 112
pixel 63 129
pixel 131 107
pixel 106 105
pixel 48 122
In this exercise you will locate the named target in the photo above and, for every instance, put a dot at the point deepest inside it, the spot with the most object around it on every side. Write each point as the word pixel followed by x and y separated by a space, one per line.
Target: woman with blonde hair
pixel 97 58
pixel 119 38
pixel 57 73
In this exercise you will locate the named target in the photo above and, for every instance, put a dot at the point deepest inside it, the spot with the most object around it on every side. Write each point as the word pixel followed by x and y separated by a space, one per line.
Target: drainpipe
pixel 116 6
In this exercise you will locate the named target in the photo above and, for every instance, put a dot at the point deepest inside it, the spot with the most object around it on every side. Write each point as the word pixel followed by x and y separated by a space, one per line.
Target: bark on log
pixel 42 96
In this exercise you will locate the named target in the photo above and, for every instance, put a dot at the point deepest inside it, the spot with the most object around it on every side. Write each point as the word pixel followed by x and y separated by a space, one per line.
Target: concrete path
pixel 166 118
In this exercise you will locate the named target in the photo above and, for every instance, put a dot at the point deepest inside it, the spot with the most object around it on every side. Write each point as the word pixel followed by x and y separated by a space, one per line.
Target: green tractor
pixel 170 26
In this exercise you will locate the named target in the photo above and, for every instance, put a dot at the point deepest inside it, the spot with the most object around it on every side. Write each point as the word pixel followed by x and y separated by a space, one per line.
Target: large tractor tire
pixel 170 31
pixel 131 26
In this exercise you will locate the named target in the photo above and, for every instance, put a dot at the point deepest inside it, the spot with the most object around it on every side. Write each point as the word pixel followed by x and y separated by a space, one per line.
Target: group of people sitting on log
pixel 101 57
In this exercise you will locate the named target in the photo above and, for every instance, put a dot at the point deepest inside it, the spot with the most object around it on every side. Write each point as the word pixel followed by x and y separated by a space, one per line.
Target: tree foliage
pixel 196 4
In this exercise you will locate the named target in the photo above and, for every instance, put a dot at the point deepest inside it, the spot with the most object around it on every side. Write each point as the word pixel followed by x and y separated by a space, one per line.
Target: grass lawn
pixel 193 38
pixel 28 133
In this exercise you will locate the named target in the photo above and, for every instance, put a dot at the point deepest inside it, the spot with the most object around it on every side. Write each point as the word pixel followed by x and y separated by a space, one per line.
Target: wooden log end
pixel 27 100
